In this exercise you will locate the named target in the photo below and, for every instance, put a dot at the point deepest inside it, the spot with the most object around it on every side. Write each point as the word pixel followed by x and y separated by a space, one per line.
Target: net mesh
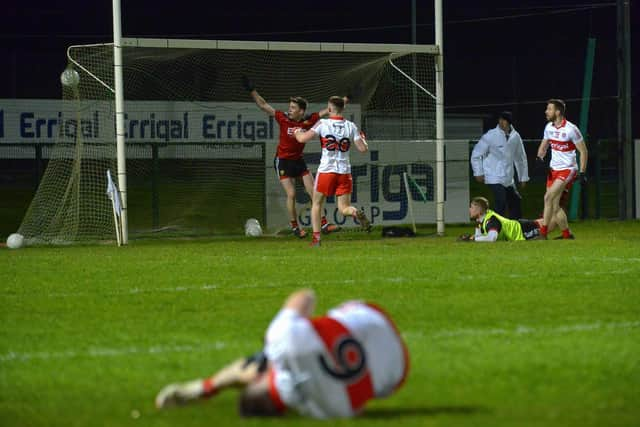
pixel 199 152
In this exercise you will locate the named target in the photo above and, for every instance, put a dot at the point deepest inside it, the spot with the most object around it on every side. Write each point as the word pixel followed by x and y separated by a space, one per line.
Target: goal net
pixel 199 153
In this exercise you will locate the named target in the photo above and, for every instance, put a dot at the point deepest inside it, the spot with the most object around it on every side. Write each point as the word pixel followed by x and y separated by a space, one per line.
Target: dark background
pixel 498 55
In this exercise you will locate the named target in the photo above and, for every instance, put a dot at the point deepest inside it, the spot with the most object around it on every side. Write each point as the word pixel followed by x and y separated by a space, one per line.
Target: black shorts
pixel 530 229
pixel 286 168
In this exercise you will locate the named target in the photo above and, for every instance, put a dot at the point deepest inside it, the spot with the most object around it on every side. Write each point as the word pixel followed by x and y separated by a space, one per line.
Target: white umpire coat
pixel 494 157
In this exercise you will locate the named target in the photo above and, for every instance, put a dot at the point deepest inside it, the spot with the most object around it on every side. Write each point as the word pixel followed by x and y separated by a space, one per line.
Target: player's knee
pixel 548 197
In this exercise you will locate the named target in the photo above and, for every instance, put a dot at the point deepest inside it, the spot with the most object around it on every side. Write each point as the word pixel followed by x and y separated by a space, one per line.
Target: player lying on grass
pixel 289 162
pixel 333 177
pixel 492 227
pixel 323 367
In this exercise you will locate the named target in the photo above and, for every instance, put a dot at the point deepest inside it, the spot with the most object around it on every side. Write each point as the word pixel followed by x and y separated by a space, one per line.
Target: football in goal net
pixel 199 152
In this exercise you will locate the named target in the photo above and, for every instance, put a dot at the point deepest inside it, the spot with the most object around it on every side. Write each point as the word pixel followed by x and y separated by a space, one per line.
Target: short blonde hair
pixel 482 202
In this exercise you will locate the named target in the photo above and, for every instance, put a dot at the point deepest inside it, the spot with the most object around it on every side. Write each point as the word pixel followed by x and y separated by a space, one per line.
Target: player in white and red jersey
pixel 289 162
pixel 323 367
pixel 564 138
pixel 333 177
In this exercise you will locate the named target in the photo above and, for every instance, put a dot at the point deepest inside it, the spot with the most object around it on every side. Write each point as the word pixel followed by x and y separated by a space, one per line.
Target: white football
pixel 250 222
pixel 15 241
pixel 69 77
pixel 252 228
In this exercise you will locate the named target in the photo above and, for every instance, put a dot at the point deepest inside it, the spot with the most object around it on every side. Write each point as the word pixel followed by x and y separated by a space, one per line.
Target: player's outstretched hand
pixel 248 84
pixel 465 238
pixel 583 178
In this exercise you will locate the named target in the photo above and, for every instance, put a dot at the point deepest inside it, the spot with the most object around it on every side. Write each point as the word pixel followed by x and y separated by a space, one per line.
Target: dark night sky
pixel 491 64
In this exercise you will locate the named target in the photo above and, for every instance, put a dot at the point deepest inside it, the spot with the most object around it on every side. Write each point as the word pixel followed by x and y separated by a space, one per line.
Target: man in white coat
pixel 493 159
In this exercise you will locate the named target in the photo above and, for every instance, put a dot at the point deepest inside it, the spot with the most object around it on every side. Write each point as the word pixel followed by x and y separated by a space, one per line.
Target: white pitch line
pixel 520 330
pixel 178 289
pixel 209 287
pixel 107 352
pixel 524 330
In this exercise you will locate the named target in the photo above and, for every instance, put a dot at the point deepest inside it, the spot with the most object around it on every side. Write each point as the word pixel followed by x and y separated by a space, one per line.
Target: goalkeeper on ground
pixel 492 227
pixel 289 162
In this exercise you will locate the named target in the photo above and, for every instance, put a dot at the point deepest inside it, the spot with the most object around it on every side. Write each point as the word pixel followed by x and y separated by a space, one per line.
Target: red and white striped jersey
pixel 562 140
pixel 330 366
pixel 336 136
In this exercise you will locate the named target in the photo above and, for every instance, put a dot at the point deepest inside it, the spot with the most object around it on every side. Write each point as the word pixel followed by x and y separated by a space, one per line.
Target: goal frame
pixel 120 42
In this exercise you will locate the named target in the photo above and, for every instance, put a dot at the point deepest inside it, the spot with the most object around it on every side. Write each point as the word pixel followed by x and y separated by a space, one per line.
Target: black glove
pixel 464 238
pixel 259 358
pixel 248 84
pixel 583 178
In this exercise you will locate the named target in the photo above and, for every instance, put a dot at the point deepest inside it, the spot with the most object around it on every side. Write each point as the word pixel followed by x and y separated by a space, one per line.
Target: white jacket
pixel 493 156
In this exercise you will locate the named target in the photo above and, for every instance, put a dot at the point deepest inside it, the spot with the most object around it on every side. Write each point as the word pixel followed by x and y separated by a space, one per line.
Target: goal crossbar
pixel 280 46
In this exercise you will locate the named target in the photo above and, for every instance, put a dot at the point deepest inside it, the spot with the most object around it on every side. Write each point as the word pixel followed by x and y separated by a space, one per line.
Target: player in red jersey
pixel 323 367
pixel 564 138
pixel 289 162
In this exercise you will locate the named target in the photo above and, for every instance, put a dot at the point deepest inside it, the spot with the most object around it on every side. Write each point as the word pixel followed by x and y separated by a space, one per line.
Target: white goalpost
pixel 439 118
pixel 119 114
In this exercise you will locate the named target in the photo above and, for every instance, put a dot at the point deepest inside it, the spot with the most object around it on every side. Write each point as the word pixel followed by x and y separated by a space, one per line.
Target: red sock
pixel 294 224
pixel 566 233
pixel 316 236
pixel 208 389
pixel 544 230
pixel 324 220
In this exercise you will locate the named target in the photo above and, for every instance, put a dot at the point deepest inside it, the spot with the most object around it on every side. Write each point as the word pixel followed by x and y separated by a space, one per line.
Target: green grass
pixel 543 333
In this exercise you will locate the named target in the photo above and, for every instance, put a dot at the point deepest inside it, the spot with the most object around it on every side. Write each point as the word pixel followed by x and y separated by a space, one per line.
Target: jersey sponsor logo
pixel 562 145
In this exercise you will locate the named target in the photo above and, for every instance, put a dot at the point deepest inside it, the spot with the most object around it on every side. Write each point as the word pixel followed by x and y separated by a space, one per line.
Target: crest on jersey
pixel 347 360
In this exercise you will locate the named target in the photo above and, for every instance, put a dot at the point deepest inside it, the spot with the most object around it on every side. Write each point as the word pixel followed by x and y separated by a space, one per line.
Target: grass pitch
pixel 511 334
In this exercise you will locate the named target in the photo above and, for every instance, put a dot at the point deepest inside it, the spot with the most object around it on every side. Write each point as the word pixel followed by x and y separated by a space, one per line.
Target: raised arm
pixel 262 104
pixel 259 100
pixel 303 302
